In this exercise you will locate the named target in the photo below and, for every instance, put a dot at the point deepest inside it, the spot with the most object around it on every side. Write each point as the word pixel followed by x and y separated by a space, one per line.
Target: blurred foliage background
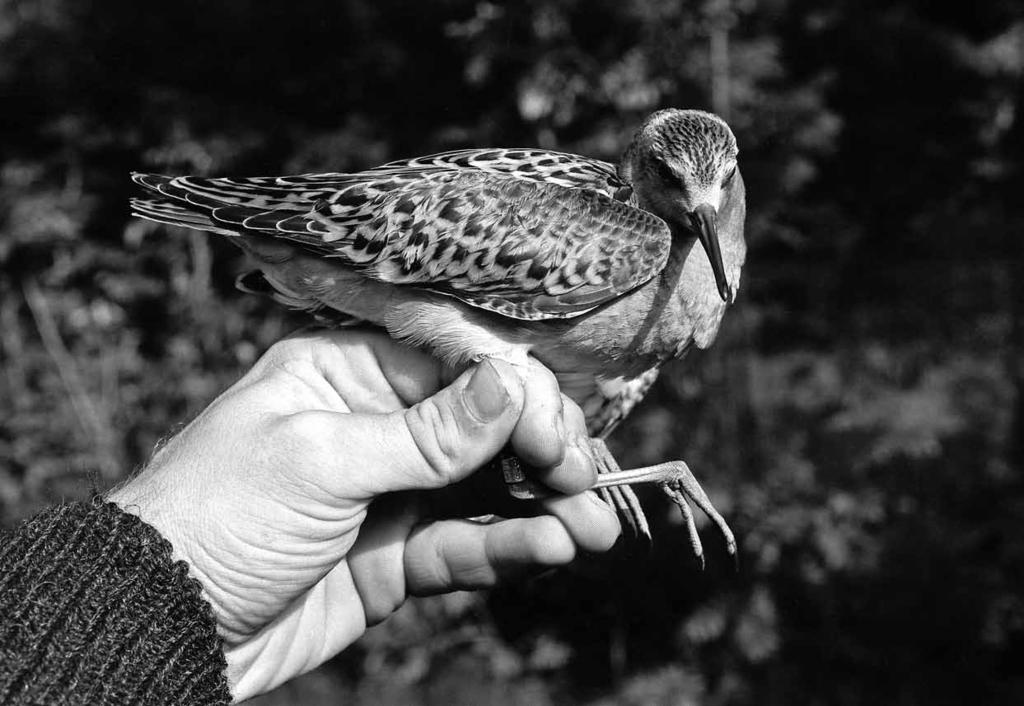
pixel 860 420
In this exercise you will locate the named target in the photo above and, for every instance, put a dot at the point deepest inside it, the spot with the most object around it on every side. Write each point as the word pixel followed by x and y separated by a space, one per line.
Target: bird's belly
pixel 450 330
pixel 624 338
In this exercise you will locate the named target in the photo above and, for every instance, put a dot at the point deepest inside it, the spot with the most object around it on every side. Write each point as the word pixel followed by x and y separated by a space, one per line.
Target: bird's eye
pixel 667 174
pixel 729 175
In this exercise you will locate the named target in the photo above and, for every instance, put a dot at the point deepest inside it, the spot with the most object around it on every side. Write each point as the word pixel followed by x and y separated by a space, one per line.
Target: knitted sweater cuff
pixel 94 611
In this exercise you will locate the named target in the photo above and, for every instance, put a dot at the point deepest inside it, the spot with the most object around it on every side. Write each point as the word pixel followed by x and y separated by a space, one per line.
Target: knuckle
pixel 545 377
pixel 297 354
pixel 437 436
pixel 549 376
pixel 427 572
pixel 309 431
pixel 283 351
pixel 432 575
pixel 573 414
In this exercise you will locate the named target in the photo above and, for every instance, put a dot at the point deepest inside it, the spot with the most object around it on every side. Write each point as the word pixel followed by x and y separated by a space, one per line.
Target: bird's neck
pixel 657 321
pixel 691 294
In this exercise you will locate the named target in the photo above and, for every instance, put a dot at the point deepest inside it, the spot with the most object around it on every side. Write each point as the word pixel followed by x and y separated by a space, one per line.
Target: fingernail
pixel 582 442
pixel 485 393
pixel 578 464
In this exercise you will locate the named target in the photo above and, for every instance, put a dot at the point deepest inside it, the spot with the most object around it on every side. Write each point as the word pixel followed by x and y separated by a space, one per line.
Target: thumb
pixel 445 437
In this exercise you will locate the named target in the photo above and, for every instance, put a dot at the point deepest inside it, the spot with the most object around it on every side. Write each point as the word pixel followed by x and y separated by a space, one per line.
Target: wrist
pixel 160 510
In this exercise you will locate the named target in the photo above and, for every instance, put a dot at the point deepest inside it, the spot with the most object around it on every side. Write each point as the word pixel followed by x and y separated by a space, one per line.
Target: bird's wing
pixel 524 249
pixel 559 168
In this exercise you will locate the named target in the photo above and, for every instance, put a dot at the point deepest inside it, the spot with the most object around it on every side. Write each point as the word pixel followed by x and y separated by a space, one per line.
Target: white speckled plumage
pixel 591 268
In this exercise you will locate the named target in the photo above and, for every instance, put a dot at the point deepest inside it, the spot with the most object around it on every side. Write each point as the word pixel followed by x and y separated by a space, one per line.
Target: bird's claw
pixel 676 494
pixel 674 477
pixel 681 487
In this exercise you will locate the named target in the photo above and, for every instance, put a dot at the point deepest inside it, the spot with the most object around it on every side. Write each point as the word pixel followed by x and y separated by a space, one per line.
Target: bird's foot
pixel 674 477
pixel 679 483
pixel 620 497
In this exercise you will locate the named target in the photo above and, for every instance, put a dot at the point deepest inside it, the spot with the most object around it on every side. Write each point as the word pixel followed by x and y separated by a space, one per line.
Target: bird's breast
pixel 657 321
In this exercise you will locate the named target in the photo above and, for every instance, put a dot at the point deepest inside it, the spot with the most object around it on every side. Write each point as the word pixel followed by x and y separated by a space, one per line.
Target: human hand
pixel 269 495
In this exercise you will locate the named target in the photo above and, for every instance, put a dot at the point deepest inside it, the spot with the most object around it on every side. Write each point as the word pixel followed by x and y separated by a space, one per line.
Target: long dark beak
pixel 705 221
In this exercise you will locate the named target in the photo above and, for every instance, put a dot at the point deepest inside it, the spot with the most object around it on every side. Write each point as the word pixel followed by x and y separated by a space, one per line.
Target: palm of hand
pixel 267 494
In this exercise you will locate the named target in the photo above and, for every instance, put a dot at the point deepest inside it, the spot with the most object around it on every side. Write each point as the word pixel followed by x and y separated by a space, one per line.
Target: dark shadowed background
pixel 860 421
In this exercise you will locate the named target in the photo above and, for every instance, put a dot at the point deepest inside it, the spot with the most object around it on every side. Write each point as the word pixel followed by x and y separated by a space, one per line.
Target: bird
pixel 589 267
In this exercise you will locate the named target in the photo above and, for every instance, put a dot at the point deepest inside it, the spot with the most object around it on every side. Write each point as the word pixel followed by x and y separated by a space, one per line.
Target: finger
pixel 437 441
pixel 411 373
pixel 456 555
pixel 591 523
pixel 319 624
pixel 539 437
pixel 376 559
pixel 576 472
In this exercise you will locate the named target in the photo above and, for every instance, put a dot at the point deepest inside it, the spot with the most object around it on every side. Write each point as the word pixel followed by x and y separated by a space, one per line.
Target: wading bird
pixel 591 269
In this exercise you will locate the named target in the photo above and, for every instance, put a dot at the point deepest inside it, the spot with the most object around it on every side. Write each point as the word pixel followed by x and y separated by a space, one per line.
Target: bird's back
pixel 474 253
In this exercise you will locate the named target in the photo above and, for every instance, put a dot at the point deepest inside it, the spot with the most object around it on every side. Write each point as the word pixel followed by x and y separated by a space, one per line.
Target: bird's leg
pixel 620 497
pixel 678 482
pixel 674 477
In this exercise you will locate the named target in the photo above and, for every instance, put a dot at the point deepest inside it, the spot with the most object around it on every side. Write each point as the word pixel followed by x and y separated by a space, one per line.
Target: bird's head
pixel 682 165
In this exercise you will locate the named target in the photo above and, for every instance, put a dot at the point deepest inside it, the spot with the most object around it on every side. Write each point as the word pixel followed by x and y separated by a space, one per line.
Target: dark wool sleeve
pixel 94 611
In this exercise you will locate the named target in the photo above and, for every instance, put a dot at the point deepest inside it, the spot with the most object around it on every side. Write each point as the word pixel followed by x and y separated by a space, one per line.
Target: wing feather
pixel 526 248
pixel 559 168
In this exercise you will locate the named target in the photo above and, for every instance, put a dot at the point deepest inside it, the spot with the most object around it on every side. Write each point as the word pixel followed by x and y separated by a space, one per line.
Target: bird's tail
pixel 260 283
pixel 163 210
